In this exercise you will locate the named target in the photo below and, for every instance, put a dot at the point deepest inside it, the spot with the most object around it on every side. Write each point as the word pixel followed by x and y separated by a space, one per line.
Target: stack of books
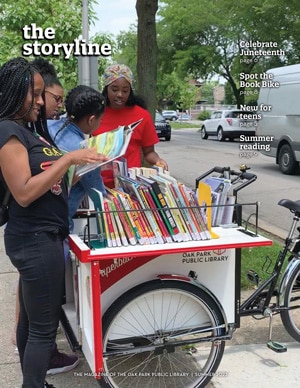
pixel 214 192
pixel 149 206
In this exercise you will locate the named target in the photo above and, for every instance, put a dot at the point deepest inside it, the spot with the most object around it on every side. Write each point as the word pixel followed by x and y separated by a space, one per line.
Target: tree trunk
pixel 147 52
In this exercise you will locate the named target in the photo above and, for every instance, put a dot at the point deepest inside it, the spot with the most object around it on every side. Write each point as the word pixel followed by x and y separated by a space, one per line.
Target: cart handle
pixel 227 173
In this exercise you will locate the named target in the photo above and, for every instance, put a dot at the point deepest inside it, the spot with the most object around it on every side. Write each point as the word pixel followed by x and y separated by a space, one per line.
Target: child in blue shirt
pixel 84 107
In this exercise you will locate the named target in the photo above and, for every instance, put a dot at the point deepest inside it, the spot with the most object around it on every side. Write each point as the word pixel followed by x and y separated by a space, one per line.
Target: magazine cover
pixel 157 309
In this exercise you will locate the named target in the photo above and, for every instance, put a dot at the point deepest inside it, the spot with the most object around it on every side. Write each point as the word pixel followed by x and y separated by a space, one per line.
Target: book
pixel 204 200
pixel 112 144
pixel 228 210
pixel 113 229
pixel 161 203
pixel 193 220
pixel 132 215
pixel 159 220
pixel 185 222
pixel 123 216
pixel 110 231
pixel 219 189
pixel 184 212
pixel 102 227
pixel 118 224
pixel 119 168
pixel 164 185
pixel 143 223
pixel 131 186
pixel 195 208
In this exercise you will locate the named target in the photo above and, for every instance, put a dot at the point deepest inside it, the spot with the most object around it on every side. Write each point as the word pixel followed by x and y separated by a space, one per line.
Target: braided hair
pixel 16 78
pixel 47 71
pixel 80 102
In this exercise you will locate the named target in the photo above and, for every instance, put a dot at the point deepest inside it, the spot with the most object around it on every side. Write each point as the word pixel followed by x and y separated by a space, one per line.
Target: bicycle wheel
pixel 291 318
pixel 152 337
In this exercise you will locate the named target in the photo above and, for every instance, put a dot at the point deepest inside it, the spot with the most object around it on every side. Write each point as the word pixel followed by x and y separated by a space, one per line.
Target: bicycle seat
pixel 294 206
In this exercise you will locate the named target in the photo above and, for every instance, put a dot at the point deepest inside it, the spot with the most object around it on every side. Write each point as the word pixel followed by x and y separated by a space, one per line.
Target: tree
pixel 208 40
pixel 147 51
pixel 207 92
pixel 63 16
pixel 175 93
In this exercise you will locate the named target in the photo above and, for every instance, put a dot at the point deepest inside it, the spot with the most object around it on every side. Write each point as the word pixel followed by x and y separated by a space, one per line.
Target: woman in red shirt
pixel 123 107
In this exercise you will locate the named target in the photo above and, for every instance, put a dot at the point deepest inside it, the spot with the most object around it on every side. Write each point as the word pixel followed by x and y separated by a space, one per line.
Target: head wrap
pixel 114 72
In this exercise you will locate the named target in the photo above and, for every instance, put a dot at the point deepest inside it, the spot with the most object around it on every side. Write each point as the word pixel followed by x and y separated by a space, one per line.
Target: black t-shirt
pixel 50 211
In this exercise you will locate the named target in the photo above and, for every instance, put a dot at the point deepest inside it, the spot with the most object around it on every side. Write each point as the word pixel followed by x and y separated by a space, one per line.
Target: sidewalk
pixel 247 362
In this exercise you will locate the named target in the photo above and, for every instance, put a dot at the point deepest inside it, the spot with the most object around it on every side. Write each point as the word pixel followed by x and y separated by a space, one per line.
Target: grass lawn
pixel 255 259
pixel 179 125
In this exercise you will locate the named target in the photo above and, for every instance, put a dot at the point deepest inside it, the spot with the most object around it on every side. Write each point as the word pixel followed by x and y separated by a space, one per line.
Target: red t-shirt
pixel 144 135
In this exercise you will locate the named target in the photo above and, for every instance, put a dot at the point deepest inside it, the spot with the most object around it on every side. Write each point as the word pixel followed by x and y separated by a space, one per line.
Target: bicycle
pixel 171 331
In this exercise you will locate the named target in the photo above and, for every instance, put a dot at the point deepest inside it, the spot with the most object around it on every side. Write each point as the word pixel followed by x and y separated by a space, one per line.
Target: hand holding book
pixel 113 144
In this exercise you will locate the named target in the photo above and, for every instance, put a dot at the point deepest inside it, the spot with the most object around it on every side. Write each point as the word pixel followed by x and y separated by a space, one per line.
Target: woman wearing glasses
pixel 54 92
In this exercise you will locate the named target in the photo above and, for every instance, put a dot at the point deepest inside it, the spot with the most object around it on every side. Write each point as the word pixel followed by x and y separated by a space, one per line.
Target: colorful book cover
pixel 151 204
pixel 204 200
pixel 167 193
pixel 161 203
pixel 124 218
pixel 118 222
pixel 132 187
pixel 111 143
pixel 97 198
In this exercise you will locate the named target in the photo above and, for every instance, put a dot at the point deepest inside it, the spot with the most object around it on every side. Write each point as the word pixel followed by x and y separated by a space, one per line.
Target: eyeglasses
pixel 56 97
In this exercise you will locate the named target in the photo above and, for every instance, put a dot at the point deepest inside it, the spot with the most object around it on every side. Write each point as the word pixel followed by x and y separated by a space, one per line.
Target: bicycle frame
pixel 260 299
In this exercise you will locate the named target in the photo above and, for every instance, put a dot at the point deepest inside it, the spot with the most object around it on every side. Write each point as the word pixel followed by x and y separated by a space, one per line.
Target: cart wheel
pixel 160 334
pixel 291 318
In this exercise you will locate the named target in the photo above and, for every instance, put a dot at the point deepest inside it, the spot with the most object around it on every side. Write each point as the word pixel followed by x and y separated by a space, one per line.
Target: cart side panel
pixel 215 269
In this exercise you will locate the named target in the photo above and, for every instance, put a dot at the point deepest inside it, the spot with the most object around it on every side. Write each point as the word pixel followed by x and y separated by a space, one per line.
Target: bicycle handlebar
pixel 226 172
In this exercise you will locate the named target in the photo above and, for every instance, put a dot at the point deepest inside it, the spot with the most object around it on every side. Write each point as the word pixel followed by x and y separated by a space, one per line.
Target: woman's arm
pixel 152 157
pixel 26 188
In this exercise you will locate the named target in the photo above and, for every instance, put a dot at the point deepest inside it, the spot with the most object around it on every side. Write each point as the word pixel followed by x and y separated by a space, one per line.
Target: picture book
pixel 102 227
pixel 165 187
pixel 161 203
pixel 227 216
pixel 197 211
pixel 118 224
pixel 112 144
pixel 149 202
pixel 133 216
pixel 205 200
pixel 152 210
pixel 125 220
pixel 132 187
pixel 219 190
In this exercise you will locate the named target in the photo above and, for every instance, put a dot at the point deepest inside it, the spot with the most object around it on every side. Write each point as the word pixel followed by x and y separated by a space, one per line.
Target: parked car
pixel 162 126
pixel 228 124
pixel 170 115
pixel 184 117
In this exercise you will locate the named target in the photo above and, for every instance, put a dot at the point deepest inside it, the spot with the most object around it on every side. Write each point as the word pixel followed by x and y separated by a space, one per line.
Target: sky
pixel 114 16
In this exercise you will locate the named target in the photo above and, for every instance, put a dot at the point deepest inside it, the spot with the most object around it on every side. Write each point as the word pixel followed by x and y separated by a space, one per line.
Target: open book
pixel 112 144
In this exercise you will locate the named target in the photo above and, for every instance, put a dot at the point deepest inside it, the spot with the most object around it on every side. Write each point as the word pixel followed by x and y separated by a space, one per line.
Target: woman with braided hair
pixel 59 362
pixel 34 170
pixel 85 107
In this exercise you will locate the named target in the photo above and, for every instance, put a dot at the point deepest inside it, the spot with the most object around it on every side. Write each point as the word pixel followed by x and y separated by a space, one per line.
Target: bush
pixel 205 114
